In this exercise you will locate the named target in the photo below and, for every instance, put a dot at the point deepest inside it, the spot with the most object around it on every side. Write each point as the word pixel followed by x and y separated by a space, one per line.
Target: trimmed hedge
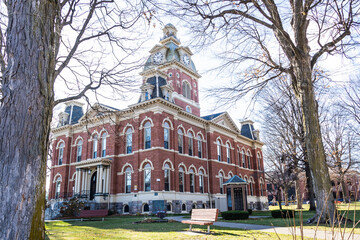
pixel 235 215
pixel 250 211
pixel 283 214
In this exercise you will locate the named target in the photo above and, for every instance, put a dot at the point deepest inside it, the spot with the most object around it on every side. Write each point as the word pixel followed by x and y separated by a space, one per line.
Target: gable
pixel 226 121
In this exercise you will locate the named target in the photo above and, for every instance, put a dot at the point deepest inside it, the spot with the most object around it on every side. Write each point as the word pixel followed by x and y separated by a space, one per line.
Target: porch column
pixel 100 179
pixel 77 181
pixel 85 180
pixel 106 182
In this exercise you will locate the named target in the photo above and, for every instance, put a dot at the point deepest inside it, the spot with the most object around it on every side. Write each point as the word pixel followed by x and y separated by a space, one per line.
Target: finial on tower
pixel 169 30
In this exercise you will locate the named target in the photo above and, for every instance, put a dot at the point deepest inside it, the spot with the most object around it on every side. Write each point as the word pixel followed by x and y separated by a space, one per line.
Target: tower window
pixel 186 90
pixel 79 151
pixel 147 131
pixel 129 140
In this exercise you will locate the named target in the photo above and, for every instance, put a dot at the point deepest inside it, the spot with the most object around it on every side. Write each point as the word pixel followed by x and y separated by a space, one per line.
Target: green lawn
pixel 123 228
pixel 348 209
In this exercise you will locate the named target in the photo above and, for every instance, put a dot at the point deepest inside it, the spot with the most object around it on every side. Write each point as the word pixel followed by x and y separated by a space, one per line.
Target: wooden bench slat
pixel 203 217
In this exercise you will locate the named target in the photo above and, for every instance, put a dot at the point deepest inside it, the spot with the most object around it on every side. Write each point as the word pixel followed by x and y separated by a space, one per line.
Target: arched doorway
pixel 93 186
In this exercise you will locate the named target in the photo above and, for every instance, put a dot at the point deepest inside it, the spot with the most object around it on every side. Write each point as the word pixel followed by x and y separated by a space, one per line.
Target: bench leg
pixel 208 229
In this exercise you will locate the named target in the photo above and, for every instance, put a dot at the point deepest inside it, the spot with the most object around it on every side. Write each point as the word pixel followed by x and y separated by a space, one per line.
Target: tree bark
pixel 313 140
pixel 286 195
pixel 344 188
pixel 26 112
pixel 298 194
pixel 310 187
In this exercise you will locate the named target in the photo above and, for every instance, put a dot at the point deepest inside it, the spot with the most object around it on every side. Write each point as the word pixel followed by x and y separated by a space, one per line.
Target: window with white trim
pixel 181 179
pixel 147 134
pixel 79 150
pixel 199 142
pixel 201 181
pixel 147 177
pixel 128 180
pixel 228 153
pixel 243 159
pixel 61 153
pixel 166 135
pixel 186 90
pixel 180 140
pixel 191 143
pixel 167 177
pixel 192 180
pixel 221 182
pixel 103 144
pixel 218 143
pixel 95 145
pixel 249 160
pixel 129 133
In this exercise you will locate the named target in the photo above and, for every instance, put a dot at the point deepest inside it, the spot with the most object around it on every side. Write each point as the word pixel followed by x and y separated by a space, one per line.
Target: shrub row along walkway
pixel 320 234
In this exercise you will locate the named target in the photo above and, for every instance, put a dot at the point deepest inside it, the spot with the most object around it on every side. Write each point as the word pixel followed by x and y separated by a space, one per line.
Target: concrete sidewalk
pixel 284 230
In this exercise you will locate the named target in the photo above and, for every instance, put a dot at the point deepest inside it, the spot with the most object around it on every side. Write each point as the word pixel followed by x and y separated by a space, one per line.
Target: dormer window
pixel 146 96
pixel 188 109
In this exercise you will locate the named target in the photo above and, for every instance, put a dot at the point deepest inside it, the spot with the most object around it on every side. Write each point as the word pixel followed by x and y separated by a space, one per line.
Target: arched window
pixel 228 153
pixel 199 142
pixel 128 180
pixel 218 143
pixel 188 109
pixel 239 157
pixel 181 179
pixel 147 177
pixel 186 90
pixel 61 153
pixel 146 95
pixel 191 143
pixel 193 206
pixel 95 145
pixel 243 158
pixel 247 187
pixel 183 207
pixel 249 160
pixel 129 133
pixel 221 182
pixel 201 181
pixel 147 131
pixel 192 180
pixel 251 188
pixel 57 189
pixel 167 177
pixel 103 144
pixel 259 162
pixel 166 135
pixel 180 140
pixel 126 209
pixel 261 188
pixel 79 150
pixel 169 207
pixel 204 205
pixel 146 207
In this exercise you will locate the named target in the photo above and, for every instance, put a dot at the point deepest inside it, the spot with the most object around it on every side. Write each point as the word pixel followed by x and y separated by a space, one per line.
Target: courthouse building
pixel 158 153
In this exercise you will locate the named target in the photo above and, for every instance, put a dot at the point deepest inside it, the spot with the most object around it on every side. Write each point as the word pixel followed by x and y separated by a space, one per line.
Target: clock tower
pixel 170 73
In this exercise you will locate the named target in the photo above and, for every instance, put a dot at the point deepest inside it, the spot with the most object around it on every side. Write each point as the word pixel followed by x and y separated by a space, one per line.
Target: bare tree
pixel 40 42
pixel 340 141
pixel 277 38
pixel 351 103
pixel 283 120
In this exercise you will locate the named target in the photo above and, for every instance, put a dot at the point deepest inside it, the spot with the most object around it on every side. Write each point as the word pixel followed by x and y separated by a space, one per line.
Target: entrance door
pixel 93 186
pixel 238 199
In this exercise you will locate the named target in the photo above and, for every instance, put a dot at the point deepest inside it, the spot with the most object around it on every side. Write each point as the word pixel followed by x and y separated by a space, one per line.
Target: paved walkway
pixel 284 230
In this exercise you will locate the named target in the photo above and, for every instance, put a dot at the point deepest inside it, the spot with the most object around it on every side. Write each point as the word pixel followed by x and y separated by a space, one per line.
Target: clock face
pixel 186 59
pixel 158 58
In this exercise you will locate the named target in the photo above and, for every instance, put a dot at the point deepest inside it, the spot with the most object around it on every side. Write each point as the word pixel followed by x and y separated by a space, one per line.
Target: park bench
pixel 93 213
pixel 203 217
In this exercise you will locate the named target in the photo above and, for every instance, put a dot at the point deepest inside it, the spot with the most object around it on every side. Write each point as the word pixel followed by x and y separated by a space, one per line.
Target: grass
pixel 348 209
pixel 123 228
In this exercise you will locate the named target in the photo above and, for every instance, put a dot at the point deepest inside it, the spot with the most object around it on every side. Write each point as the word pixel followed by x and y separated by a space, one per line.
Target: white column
pixel 97 179
pixel 100 179
pixel 107 172
pixel 85 180
pixel 83 172
pixel 78 180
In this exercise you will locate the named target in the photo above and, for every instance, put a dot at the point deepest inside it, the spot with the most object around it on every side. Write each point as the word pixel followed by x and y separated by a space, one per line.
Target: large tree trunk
pixel 278 197
pixel 286 195
pixel 309 185
pixel 26 113
pixel 298 194
pixel 314 144
pixel 344 188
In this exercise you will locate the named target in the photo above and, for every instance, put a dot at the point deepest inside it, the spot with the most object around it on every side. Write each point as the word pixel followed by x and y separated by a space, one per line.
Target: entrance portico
pixel 92 178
